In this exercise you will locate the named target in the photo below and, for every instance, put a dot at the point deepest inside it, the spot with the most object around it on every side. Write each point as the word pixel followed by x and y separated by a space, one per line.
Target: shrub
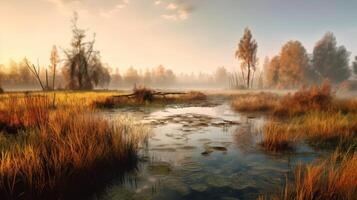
pixel 304 100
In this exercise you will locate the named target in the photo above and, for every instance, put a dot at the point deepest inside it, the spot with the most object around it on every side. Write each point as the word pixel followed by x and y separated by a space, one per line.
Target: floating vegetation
pixel 160 168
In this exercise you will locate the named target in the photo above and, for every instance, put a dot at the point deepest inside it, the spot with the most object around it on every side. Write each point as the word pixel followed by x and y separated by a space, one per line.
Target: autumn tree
pixel 272 72
pixel 293 63
pixel 331 61
pixel 83 68
pixel 247 53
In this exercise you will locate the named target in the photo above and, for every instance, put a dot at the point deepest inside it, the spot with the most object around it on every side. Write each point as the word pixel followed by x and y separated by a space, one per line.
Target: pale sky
pixel 183 35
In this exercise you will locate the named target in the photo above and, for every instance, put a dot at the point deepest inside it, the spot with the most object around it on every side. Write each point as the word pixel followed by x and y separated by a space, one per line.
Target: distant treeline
pixel 294 67
pixel 162 77
pixel 80 67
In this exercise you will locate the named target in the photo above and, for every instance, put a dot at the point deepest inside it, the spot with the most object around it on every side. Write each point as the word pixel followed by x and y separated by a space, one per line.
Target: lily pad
pixel 160 168
pixel 218 181
pixel 199 187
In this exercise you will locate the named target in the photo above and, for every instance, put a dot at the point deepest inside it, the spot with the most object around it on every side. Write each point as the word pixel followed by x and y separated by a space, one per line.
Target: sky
pixel 183 35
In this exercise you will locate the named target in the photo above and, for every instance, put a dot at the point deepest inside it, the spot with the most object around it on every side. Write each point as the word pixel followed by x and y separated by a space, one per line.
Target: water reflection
pixel 205 153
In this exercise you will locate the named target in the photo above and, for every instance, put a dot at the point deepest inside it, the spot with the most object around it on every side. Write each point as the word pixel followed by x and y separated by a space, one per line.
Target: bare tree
pixel 83 68
pixel 247 53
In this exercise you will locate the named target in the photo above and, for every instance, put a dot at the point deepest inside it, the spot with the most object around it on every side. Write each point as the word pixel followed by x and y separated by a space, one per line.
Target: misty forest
pixel 275 120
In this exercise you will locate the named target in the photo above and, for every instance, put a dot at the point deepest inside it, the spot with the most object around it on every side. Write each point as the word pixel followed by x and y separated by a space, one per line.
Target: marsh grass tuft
pixel 59 150
pixel 335 178
pixel 278 137
pixel 255 102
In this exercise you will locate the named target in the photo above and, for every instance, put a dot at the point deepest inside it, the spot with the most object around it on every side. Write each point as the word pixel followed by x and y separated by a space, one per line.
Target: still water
pixel 204 152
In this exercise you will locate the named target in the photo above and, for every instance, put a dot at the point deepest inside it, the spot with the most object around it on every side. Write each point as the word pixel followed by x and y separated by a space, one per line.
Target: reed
pixel 255 102
pixel 334 178
pixel 57 150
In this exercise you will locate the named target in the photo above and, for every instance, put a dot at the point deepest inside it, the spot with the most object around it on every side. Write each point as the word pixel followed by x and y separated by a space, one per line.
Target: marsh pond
pixel 204 151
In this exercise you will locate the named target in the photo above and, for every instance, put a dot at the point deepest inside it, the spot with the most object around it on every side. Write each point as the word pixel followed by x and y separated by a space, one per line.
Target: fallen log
pixel 155 93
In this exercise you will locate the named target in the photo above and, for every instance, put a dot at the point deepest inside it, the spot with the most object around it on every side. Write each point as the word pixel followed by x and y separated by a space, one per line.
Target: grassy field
pixel 314 115
pixel 50 151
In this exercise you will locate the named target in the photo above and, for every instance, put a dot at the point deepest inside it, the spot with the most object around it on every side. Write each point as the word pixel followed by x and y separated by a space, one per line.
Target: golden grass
pixel 315 98
pixel 317 127
pixel 334 178
pixel 278 137
pixel 55 150
pixel 255 102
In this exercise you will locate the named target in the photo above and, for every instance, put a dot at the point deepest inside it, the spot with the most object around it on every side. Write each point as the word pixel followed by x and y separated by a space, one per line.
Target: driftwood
pixel 36 72
pixel 163 94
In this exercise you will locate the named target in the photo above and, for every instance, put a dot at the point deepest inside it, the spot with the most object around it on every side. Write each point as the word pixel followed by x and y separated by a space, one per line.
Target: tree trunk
pixel 46 80
pixel 54 77
pixel 252 79
pixel 242 74
pixel 248 77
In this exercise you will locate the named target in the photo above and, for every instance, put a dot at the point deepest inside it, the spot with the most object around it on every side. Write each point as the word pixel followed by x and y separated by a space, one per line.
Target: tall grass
pixel 314 98
pixel 54 151
pixel 255 102
pixel 334 179
pixel 320 128
pixel 278 136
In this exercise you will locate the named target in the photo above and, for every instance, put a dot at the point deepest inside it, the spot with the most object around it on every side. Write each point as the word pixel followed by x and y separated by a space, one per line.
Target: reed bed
pixel 319 128
pixel 279 137
pixel 314 98
pixel 53 151
pixel 255 102
pixel 334 178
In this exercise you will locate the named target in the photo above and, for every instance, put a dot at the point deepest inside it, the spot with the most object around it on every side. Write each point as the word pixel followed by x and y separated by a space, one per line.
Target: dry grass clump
pixel 305 100
pixel 314 98
pixel 278 137
pixel 190 96
pixel 334 179
pixel 20 113
pixel 62 150
pixel 318 127
pixel 327 125
pixel 255 102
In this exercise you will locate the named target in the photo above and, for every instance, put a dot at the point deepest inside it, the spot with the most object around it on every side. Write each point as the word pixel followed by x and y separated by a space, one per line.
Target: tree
pixel 354 66
pixel 131 76
pixel 272 72
pixel 293 63
pixel 331 61
pixel 54 59
pixel 221 75
pixel 247 53
pixel 83 68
